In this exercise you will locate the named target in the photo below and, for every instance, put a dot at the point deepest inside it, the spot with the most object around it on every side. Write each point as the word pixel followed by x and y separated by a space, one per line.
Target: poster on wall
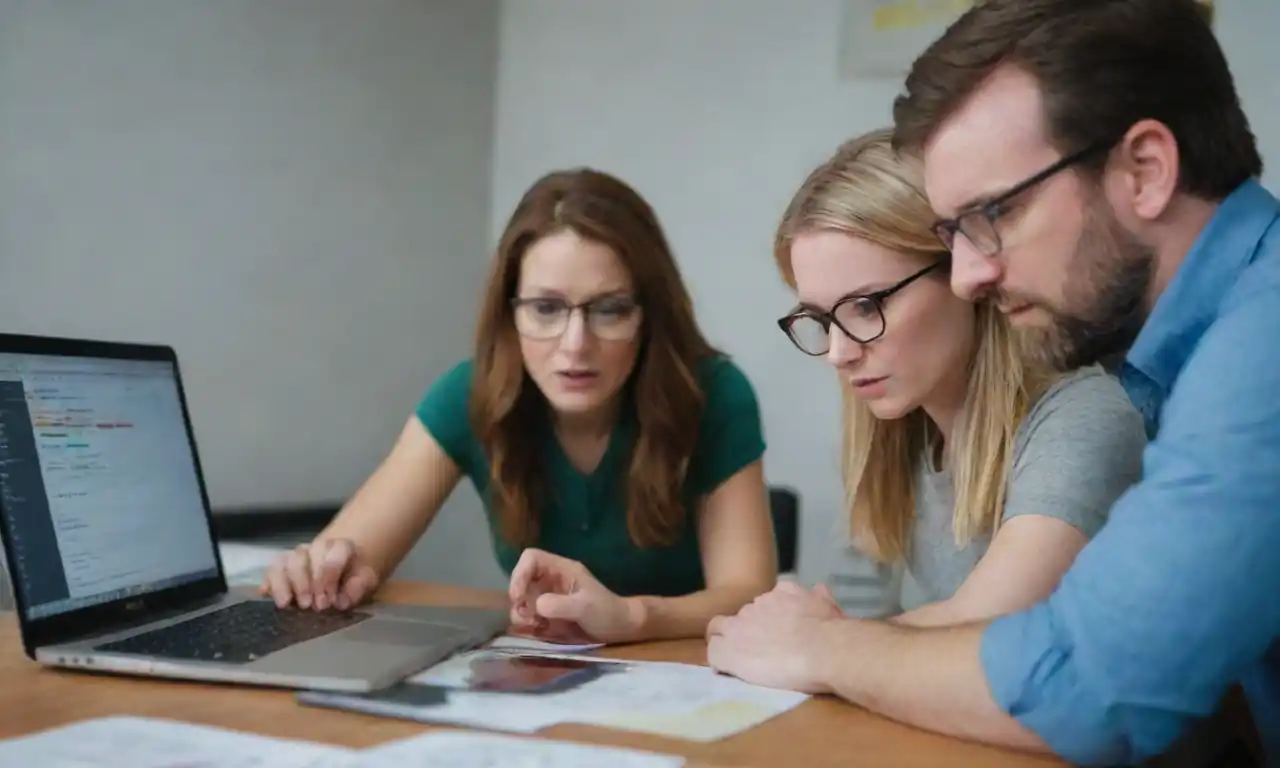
pixel 1207 7
pixel 880 38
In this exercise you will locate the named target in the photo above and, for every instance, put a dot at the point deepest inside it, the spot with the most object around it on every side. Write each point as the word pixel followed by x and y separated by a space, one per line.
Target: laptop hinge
pixel 142 620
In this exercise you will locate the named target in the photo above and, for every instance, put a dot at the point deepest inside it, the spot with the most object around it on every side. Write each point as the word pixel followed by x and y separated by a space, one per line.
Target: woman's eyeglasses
pixel 858 316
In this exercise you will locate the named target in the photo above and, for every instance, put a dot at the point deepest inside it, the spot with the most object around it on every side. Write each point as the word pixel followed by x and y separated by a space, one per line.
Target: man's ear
pixel 1146 161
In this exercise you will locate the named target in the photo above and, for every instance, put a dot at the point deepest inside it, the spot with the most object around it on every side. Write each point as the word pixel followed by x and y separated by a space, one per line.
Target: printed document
pixel 499 690
pixel 464 749
pixel 139 742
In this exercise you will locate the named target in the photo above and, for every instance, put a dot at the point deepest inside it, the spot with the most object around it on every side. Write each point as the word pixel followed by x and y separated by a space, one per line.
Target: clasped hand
pixel 769 641
pixel 557 599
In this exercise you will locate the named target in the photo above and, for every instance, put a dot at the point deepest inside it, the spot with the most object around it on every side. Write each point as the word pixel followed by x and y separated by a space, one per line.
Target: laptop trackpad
pixel 392 632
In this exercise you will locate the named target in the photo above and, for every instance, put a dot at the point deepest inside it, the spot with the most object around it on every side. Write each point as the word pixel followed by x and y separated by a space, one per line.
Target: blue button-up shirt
pixel 1178 597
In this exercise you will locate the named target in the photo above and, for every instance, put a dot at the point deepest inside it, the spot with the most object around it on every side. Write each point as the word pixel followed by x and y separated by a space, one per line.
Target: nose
pixel 575 333
pixel 973 274
pixel 843 350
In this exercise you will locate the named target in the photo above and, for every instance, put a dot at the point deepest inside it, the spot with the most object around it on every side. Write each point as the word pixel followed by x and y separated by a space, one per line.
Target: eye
pixel 615 309
pixel 996 209
pixel 863 308
pixel 546 307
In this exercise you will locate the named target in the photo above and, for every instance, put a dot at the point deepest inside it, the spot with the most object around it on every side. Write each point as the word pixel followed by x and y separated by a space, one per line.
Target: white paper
pixel 682 701
pixel 136 742
pixel 246 564
pixel 516 643
pixel 461 749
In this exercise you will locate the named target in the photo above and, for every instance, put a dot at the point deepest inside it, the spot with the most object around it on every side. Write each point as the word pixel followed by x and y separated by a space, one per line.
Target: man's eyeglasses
pixel 609 318
pixel 978 223
pixel 858 316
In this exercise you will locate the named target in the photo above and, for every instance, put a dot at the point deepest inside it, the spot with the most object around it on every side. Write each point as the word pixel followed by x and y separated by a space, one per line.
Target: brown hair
pixel 508 411
pixel 1102 65
pixel 868 191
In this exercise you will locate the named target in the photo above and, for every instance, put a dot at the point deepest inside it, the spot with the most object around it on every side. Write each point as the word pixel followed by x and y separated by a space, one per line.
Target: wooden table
pixel 820 732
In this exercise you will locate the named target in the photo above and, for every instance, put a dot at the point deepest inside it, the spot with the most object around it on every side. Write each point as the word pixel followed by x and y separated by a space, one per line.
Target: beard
pixel 1105 294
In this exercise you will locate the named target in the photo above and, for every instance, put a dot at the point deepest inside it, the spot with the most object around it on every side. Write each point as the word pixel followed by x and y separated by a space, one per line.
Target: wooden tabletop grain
pixel 821 732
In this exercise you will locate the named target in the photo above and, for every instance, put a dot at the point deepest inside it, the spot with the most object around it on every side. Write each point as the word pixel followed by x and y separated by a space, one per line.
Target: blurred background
pixel 301 196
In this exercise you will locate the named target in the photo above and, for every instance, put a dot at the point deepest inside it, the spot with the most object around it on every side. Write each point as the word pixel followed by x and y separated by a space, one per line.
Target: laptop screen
pixel 99 485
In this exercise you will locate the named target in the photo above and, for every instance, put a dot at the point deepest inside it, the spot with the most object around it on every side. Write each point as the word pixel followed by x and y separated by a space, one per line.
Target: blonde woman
pixel 966 463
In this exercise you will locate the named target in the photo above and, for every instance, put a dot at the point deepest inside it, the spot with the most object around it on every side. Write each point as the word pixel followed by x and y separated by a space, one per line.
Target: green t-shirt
pixel 586 520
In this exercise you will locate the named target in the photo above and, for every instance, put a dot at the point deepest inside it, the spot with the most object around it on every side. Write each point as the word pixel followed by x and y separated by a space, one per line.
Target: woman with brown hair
pixel 617 453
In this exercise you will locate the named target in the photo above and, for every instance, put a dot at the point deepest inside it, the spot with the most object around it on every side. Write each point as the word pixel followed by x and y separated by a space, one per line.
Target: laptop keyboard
pixel 237 634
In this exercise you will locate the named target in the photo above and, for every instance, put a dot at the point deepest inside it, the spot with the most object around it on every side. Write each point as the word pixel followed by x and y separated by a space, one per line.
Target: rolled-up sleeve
pixel 1175 599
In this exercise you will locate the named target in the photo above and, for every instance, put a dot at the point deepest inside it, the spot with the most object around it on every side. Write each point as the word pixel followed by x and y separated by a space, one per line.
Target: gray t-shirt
pixel 1078 449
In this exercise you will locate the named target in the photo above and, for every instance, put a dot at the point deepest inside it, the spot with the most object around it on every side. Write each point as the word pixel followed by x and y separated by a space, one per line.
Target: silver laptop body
pixel 108 536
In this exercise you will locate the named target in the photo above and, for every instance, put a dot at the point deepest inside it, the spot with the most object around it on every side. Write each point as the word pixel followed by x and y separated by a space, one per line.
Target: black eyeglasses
pixel 859 316
pixel 978 224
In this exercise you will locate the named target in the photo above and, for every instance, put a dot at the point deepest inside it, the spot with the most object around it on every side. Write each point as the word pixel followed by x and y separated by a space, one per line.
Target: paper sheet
pixel 675 700
pixel 245 564
pixel 461 749
pixel 135 742
pixel 518 643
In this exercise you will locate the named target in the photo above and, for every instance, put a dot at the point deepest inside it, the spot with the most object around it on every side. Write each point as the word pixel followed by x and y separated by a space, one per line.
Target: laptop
pixel 109 543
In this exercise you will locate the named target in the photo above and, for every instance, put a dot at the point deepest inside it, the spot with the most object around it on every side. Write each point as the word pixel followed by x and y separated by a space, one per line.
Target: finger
pixel 537 567
pixel 358 586
pixel 298 570
pixel 521 590
pixel 522 623
pixel 278 582
pixel 563 607
pixel 327 569
pixel 520 578
pixel 545 573
pixel 755 607
pixel 715 653
pixel 788 588
pixel 563 632
pixel 823 591
pixel 715 627
pixel 315 572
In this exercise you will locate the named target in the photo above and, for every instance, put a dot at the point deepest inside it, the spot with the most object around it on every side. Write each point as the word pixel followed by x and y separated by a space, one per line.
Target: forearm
pixel 928 678
pixel 387 515
pixel 951 613
pixel 939 614
pixel 382 541
pixel 668 618
pixel 382 550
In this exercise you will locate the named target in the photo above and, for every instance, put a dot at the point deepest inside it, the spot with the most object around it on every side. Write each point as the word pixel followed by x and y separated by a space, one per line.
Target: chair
pixel 784 505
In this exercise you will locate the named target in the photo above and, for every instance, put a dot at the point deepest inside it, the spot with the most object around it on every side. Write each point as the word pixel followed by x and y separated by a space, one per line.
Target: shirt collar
pixel 1194 295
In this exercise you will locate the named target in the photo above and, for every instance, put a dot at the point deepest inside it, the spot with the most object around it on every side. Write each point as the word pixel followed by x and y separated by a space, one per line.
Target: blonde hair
pixel 869 191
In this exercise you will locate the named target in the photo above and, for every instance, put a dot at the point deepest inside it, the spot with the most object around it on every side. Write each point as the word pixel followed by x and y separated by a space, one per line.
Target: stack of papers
pixel 475 689
pixel 132 742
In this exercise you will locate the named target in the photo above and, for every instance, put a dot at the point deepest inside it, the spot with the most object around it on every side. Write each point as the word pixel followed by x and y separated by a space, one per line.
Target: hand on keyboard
pixel 321 575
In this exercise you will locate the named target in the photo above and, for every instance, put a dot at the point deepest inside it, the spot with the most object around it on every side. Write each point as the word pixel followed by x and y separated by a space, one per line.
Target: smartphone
pixel 512 673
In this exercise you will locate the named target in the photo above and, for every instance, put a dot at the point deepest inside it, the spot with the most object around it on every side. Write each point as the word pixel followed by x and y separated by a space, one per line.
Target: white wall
pixel 294 193
pixel 716 110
